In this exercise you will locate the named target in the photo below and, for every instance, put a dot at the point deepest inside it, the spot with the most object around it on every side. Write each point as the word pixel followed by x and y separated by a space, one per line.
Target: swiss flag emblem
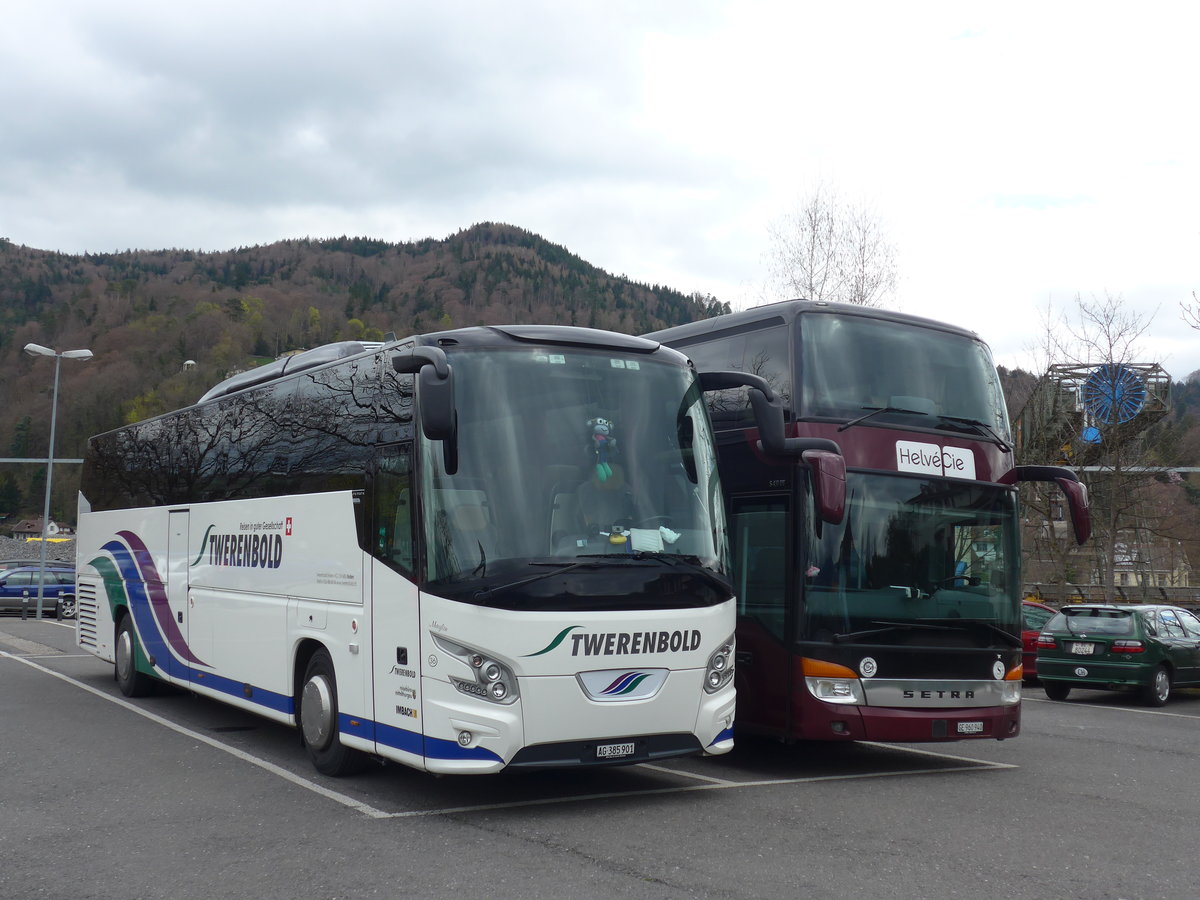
pixel 287 525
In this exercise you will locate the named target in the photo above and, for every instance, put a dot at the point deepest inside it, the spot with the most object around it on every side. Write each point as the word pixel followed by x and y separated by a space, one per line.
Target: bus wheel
pixel 319 717
pixel 1056 690
pixel 131 682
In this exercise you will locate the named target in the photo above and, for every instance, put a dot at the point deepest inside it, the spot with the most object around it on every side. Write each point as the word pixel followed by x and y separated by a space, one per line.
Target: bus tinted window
pixel 565 456
pixel 764 351
pixel 852 363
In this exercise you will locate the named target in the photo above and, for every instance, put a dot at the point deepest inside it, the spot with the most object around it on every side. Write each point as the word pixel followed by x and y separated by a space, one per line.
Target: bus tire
pixel 318 713
pixel 131 682
pixel 1056 690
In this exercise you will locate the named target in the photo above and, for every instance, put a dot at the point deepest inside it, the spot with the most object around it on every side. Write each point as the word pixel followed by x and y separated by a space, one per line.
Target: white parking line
pixel 695 775
pixel 356 805
pixel 711 784
pixel 1069 704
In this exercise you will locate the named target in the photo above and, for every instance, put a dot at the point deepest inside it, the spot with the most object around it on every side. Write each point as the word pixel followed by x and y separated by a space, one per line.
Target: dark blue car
pixel 19 586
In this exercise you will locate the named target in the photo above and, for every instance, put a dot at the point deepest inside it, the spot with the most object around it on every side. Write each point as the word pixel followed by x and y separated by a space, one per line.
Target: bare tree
pixel 1093 365
pixel 828 249
pixel 1191 311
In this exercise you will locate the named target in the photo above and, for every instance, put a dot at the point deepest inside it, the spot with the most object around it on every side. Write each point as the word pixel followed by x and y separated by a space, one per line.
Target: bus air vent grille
pixel 86 612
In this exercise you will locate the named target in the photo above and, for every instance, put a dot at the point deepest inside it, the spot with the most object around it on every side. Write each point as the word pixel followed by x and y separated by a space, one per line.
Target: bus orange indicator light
pixel 819 668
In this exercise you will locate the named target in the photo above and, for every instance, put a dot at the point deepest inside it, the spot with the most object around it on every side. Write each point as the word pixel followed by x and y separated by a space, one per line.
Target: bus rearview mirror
pixel 439 416
pixel 1073 489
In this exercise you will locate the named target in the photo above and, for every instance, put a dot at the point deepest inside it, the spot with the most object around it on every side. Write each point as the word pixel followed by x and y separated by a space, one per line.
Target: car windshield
pixel 1093 621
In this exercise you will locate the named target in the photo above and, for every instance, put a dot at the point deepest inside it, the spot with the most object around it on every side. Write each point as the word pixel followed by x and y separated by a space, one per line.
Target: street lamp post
pixel 39 350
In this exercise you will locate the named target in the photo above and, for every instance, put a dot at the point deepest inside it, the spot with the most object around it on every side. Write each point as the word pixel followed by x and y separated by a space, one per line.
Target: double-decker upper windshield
pixel 915 561
pixel 575 466
pixel 850 365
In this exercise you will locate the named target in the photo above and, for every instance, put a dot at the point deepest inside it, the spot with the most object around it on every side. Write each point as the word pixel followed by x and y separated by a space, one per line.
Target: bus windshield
pixel 915 562
pixel 852 364
pixel 571 460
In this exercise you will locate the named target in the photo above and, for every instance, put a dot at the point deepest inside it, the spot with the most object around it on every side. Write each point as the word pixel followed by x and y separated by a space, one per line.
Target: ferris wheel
pixel 1114 393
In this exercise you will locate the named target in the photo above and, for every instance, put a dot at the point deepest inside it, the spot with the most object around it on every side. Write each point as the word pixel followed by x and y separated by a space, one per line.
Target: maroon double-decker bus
pixel 876 543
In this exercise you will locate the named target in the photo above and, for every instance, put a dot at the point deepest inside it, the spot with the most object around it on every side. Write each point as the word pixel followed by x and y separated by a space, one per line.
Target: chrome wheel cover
pixel 316 712
pixel 1162 684
pixel 124 656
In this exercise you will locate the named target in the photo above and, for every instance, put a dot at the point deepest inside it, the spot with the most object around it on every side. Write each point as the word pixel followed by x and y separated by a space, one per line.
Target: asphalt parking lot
pixel 177 796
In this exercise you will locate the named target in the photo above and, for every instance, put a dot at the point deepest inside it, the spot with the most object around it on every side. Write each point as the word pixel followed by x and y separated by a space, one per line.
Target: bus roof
pixel 476 336
pixel 788 310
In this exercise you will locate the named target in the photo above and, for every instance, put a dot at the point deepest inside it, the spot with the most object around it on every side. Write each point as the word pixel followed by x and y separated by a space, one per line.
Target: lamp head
pixel 39 350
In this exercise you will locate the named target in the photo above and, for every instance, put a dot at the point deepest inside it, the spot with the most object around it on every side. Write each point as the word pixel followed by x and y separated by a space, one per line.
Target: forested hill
pixel 146 313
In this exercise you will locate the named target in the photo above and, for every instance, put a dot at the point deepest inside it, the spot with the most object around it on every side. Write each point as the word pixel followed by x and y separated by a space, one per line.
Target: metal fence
pixel 1061 594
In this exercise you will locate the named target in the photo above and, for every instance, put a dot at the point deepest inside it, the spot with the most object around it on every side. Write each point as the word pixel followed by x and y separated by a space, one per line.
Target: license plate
pixel 970 728
pixel 1083 649
pixel 614 751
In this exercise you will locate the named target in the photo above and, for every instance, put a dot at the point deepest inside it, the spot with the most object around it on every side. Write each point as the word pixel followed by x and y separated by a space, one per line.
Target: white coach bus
pixel 483 548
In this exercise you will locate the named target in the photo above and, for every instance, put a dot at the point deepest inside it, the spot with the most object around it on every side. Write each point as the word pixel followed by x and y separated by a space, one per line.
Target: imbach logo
pixel 623 643
pixel 243 550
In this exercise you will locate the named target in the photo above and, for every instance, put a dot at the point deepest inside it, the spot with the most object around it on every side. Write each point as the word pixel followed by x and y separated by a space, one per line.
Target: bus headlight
pixel 489 679
pixel 719 671
pixel 837 690
pixel 1010 693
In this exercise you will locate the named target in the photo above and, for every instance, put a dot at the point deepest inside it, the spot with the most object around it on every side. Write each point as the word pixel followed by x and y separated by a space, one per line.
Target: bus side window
pixel 394 507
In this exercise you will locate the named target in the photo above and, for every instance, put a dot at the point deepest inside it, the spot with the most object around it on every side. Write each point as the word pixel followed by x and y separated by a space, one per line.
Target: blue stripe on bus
pixel 356 726
pixel 436 748
pixel 156 645
pixel 429 747
pixel 258 696
pixel 726 735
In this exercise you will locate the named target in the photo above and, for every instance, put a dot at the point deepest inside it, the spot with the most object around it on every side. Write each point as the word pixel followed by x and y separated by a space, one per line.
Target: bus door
pixel 762 559
pixel 395 608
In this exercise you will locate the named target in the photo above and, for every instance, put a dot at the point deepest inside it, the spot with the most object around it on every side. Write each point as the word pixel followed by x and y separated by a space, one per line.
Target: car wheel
pixel 131 682
pixel 66 607
pixel 1056 690
pixel 1158 691
pixel 318 708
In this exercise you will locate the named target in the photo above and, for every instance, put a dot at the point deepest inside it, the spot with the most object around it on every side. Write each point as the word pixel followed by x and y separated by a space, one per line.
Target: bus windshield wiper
pixel 1011 639
pixel 876 410
pixel 890 626
pixel 486 592
pixel 982 426
pixel 690 560
pixel 1008 636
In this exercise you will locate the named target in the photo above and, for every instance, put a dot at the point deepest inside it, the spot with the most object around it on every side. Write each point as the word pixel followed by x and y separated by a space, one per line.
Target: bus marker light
pixel 818 668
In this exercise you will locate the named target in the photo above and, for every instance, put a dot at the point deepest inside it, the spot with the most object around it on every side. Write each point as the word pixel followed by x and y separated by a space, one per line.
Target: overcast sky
pixel 1017 154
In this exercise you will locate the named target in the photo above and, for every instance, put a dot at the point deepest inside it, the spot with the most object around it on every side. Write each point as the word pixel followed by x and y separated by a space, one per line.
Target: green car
pixel 1149 649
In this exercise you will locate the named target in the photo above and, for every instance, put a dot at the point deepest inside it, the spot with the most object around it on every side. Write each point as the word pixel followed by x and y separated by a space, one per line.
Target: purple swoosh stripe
pixel 158 598
pixel 621 682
